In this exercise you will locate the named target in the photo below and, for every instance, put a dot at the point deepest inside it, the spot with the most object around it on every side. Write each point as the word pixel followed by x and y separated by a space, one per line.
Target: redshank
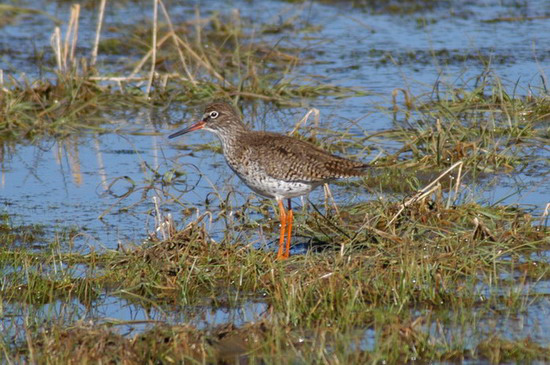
pixel 271 164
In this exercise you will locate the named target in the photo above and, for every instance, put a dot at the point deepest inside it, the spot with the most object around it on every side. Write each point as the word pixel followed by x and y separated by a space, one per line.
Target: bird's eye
pixel 214 114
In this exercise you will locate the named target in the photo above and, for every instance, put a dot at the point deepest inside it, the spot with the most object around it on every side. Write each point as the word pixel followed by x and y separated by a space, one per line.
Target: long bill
pixel 194 127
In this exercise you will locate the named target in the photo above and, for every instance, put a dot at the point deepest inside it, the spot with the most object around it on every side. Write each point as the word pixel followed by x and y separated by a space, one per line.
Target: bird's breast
pixel 261 183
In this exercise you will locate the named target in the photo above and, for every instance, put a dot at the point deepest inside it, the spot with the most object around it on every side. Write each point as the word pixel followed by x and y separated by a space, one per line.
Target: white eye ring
pixel 214 114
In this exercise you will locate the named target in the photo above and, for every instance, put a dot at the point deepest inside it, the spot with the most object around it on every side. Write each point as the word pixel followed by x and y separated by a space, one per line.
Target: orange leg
pixel 290 218
pixel 283 218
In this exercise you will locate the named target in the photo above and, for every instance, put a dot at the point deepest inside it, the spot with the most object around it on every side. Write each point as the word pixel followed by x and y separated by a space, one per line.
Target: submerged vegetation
pixel 425 273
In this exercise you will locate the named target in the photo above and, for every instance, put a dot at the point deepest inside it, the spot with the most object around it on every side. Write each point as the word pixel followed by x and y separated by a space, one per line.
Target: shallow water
pixel 71 183
pixel 64 183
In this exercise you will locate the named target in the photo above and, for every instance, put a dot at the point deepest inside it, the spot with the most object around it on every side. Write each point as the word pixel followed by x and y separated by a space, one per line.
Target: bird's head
pixel 217 118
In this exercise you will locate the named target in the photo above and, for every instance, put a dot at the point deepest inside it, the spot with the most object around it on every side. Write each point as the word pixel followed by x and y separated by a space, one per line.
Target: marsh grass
pixel 414 278
pixel 32 110
pixel 12 233
pixel 433 265
pixel 478 122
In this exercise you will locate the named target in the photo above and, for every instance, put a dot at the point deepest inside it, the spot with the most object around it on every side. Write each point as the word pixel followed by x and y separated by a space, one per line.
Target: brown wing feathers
pixel 301 161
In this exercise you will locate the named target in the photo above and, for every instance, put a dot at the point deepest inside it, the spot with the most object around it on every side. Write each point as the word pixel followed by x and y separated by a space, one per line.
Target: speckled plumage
pixel 272 164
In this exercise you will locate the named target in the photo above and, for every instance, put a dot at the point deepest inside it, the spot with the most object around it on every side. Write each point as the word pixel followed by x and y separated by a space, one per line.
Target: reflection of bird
pixel 272 164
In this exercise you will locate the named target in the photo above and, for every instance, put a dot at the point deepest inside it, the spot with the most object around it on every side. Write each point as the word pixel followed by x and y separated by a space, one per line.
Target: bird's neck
pixel 230 137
